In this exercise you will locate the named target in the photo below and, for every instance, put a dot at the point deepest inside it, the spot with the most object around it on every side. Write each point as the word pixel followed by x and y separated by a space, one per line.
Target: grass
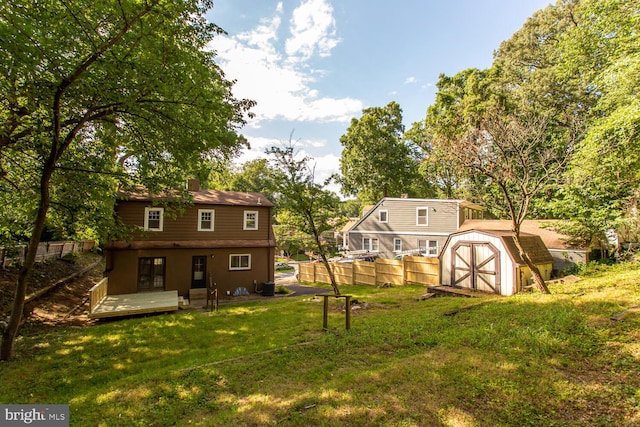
pixel 527 360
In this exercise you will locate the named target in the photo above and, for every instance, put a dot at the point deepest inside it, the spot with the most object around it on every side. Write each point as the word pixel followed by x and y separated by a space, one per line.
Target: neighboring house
pixel 343 235
pixel 488 260
pixel 564 254
pixel 223 238
pixel 403 225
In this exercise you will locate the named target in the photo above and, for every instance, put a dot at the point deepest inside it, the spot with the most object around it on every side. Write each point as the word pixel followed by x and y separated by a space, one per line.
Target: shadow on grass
pixel 528 360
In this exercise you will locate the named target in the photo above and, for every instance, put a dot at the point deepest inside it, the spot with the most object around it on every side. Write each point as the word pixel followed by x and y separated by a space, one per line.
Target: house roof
pixel 532 244
pixel 349 224
pixel 209 197
pixel 543 228
pixel 191 244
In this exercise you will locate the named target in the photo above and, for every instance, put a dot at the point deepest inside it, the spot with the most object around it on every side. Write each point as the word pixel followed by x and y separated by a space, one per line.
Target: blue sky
pixel 312 65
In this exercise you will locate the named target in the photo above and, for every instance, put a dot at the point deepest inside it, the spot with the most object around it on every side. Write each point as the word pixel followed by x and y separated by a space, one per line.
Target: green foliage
pixel 603 184
pixel 524 360
pixel 376 162
pixel 306 206
pixel 96 94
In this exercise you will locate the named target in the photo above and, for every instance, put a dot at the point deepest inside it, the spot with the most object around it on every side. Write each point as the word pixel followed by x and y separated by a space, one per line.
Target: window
pixel 383 216
pixel 397 245
pixel 153 219
pixel 369 244
pixel 250 220
pixel 240 262
pixel 206 218
pixel 428 247
pixel 432 248
pixel 422 216
pixel 150 274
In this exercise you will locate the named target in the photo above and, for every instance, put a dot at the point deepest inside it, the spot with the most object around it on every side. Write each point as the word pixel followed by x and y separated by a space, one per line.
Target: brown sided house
pixel 224 238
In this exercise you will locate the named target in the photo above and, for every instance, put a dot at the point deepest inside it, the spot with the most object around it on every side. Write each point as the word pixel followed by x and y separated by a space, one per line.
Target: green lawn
pixel 528 360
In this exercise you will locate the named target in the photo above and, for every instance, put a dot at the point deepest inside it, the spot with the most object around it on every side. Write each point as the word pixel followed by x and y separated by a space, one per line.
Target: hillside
pixel 531 359
pixel 63 305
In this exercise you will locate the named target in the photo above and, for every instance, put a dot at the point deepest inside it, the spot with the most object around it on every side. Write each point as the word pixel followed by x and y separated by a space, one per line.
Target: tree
pixel 87 84
pixel 309 207
pixel 375 161
pixel 254 175
pixel 517 153
pixel 602 186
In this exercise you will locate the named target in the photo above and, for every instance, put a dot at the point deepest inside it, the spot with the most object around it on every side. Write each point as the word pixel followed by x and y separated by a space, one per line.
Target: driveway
pixel 290 281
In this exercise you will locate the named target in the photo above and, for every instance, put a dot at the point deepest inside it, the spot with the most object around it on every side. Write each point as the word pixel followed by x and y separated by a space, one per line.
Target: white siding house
pixel 402 225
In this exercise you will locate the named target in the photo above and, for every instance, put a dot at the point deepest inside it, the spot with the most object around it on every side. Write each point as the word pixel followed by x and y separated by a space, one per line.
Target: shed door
pixel 476 265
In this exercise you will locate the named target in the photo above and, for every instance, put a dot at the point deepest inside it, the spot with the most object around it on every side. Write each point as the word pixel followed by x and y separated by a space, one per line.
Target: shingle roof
pixel 543 228
pixel 532 244
pixel 210 197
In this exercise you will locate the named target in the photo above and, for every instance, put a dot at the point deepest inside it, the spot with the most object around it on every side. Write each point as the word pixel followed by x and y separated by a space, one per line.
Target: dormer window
pixel 383 216
pixel 153 219
pixel 206 219
pixel 250 220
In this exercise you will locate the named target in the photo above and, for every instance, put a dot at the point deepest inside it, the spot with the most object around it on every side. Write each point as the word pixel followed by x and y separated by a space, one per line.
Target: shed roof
pixel 543 228
pixel 532 244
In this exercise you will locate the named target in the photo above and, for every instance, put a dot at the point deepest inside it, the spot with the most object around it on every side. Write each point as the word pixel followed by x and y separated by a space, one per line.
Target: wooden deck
pixel 130 304
pixel 442 290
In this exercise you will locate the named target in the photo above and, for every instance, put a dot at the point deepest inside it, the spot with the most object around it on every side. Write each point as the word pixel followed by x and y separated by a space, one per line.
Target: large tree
pixel 376 162
pixel 105 89
pixel 517 154
pixel 307 206
pixel 602 186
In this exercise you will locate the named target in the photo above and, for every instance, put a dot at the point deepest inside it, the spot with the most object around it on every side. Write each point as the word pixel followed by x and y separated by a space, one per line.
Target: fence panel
pixel 322 275
pixel 306 272
pixel 389 271
pixel 343 272
pixel 422 270
pixel 411 270
pixel 364 273
pixel 46 250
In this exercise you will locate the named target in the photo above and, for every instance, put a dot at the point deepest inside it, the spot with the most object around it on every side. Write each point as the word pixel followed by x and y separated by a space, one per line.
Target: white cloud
pixel 313 30
pixel 280 79
pixel 324 166
pixel 410 80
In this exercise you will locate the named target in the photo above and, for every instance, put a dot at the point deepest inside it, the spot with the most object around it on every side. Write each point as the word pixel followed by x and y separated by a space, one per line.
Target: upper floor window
pixel 250 220
pixel 383 216
pixel 206 219
pixel 153 219
pixel 422 216
pixel 240 262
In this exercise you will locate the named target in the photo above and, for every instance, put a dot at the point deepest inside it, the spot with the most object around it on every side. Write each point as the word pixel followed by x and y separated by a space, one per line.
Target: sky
pixel 313 65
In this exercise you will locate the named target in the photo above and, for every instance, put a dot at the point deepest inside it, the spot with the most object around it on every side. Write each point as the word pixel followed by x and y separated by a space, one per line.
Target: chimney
pixel 193 185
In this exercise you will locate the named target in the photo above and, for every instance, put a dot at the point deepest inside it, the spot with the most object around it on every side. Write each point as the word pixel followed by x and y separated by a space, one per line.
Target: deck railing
pixel 97 293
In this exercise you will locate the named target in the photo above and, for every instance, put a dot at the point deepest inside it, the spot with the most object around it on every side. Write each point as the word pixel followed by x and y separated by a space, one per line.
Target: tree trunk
pixel 10 332
pixel 537 277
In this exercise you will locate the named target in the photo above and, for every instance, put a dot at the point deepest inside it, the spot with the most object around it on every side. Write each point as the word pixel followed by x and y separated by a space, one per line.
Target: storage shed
pixel 488 260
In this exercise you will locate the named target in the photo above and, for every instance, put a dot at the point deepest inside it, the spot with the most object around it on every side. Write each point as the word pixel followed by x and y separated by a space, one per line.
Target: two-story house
pixel 403 225
pixel 223 237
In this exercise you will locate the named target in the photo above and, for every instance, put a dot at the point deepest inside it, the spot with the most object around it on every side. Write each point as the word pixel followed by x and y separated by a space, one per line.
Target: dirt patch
pixel 67 304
